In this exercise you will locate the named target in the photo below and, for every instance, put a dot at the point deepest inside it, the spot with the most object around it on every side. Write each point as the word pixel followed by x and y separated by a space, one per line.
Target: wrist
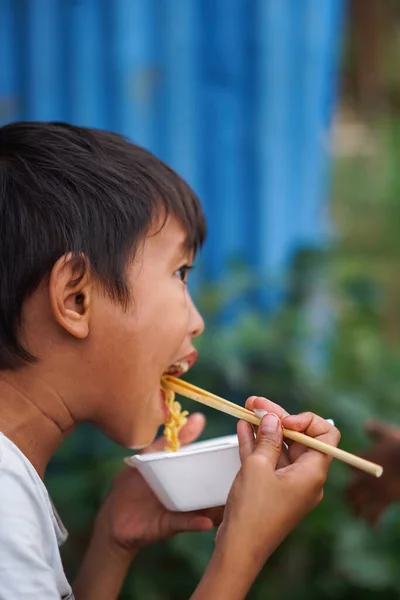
pixel 230 574
pixel 104 539
pixel 236 550
pixel 104 567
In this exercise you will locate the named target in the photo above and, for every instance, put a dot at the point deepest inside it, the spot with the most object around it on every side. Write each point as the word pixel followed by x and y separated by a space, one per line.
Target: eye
pixel 183 272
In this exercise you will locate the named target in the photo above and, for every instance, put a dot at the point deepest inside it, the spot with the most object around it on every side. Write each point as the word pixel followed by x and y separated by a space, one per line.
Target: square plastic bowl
pixel 198 476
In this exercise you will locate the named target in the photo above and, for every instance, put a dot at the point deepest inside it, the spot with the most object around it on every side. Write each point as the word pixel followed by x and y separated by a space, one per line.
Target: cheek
pixel 165 317
pixel 113 338
pixel 130 349
pixel 174 321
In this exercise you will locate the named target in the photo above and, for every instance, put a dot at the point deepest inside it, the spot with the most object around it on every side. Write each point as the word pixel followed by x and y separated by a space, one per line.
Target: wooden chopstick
pixel 195 393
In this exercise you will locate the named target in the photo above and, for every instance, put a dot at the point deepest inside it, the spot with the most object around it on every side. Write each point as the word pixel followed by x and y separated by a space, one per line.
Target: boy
pixel 97 237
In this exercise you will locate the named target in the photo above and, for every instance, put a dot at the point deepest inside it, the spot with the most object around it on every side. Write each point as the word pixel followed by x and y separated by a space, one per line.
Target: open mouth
pixel 182 366
pixel 177 369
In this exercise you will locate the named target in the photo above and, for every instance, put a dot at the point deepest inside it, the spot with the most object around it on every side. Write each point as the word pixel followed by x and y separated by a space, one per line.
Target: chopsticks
pixel 195 393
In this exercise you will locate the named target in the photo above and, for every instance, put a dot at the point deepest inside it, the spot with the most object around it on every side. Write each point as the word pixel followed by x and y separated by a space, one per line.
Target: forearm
pixel 227 577
pixel 103 570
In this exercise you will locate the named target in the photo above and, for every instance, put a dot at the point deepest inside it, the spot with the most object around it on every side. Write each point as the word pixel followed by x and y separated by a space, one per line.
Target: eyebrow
pixel 183 250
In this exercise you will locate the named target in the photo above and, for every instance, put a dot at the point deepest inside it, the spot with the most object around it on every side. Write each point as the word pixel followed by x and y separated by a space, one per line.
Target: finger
pixel 193 428
pixel 269 439
pixel 313 426
pixel 249 402
pixel 284 458
pixel 189 433
pixel 316 427
pixel 215 514
pixel 158 445
pixel 246 439
pixel 180 522
pixel 260 403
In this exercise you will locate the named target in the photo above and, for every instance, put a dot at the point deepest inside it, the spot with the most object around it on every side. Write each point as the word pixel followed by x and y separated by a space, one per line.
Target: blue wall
pixel 237 95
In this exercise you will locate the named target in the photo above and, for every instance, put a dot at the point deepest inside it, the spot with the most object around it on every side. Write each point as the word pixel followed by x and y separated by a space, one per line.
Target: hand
pixel 133 517
pixel 257 404
pixel 265 503
pixel 369 496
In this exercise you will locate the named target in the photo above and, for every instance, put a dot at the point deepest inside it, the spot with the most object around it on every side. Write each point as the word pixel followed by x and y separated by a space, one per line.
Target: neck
pixel 33 416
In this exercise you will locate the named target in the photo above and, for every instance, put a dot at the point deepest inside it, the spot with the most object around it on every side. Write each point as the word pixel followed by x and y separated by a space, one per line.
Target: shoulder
pixel 29 559
pixel 25 513
pixel 21 489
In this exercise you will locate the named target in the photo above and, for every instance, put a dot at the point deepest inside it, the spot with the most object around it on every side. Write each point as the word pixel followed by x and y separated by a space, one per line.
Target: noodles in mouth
pixel 175 421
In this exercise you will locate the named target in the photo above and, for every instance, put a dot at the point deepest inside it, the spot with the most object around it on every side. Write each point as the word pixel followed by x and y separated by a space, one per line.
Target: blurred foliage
pixel 332 346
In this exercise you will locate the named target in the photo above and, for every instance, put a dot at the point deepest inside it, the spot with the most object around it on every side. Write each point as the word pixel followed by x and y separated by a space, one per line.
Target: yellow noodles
pixel 176 420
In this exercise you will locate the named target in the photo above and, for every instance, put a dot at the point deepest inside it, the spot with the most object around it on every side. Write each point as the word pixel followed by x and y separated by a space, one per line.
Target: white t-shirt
pixel 30 533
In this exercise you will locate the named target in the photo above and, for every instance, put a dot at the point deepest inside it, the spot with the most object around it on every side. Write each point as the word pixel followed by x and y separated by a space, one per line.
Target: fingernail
pixel 331 421
pixel 270 424
pixel 259 412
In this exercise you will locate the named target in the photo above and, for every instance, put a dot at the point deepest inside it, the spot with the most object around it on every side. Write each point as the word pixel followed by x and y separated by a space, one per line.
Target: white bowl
pixel 198 476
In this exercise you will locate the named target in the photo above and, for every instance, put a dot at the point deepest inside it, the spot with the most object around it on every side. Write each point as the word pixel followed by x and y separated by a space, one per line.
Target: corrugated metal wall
pixel 237 95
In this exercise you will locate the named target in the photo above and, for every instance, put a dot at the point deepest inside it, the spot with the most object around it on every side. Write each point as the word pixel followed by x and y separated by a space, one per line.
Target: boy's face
pixel 130 349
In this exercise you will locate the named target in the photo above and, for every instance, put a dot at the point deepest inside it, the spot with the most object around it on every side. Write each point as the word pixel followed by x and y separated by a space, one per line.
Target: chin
pixel 138 448
pixel 140 443
pixel 133 439
pixel 140 430
pixel 143 437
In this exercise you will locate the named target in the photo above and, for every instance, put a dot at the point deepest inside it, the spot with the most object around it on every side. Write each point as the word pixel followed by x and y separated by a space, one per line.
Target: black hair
pixel 72 189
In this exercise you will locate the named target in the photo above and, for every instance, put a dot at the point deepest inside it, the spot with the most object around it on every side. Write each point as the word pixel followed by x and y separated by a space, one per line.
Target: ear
pixel 71 294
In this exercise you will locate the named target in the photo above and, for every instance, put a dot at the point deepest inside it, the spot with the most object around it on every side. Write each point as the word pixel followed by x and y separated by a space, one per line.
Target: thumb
pixel 180 522
pixel 269 438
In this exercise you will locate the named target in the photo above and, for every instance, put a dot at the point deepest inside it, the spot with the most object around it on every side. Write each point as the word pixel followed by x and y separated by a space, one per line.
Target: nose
pixel 196 320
